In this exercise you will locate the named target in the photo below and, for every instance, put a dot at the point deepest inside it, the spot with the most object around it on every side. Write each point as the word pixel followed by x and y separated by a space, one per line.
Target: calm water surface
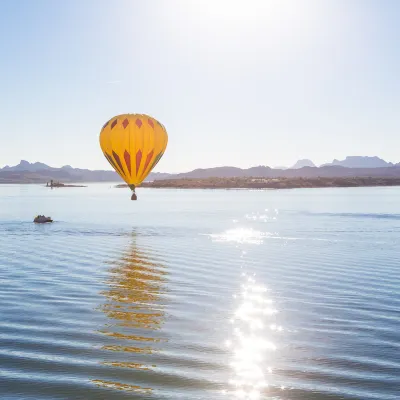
pixel 192 294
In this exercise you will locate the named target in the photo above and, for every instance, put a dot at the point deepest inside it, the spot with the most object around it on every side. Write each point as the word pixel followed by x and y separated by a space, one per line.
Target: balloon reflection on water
pixel 135 308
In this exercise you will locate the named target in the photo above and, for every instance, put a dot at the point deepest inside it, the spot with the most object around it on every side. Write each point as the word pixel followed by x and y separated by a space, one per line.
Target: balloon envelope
pixel 133 144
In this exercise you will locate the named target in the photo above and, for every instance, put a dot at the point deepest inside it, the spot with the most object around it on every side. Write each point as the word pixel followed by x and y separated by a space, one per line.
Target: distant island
pixel 351 167
pixel 53 184
pixel 268 183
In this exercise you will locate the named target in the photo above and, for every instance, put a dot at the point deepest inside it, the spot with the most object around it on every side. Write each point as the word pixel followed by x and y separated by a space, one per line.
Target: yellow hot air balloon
pixel 133 144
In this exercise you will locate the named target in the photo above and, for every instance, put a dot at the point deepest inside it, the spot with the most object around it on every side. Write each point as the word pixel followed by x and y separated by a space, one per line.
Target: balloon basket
pixel 133 197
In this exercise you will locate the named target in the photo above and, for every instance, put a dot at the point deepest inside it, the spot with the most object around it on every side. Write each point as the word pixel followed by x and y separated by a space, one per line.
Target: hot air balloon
pixel 133 144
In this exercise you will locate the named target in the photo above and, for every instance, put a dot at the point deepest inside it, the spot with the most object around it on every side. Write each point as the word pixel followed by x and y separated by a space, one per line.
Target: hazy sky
pixel 235 83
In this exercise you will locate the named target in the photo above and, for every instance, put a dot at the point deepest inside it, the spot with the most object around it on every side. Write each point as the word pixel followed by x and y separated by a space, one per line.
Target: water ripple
pixel 200 297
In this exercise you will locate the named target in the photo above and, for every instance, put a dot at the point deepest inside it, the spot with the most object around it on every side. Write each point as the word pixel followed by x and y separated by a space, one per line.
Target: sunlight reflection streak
pixel 251 344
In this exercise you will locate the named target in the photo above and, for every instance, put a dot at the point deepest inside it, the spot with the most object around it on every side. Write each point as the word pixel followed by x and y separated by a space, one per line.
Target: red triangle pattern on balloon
pixel 115 161
pixel 125 123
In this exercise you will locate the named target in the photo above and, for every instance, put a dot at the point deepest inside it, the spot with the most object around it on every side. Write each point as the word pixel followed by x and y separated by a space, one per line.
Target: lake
pixel 200 294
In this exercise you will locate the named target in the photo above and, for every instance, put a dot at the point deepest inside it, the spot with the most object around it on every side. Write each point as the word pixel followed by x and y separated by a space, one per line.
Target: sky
pixel 240 83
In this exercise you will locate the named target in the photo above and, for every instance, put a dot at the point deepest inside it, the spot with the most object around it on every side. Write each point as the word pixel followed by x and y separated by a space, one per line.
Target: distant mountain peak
pixel 303 163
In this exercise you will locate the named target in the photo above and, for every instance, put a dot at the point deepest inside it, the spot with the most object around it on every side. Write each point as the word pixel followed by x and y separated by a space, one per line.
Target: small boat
pixel 41 219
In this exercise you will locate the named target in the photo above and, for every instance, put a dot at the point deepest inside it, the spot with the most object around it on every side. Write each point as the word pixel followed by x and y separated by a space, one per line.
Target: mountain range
pixel 26 172
pixel 361 162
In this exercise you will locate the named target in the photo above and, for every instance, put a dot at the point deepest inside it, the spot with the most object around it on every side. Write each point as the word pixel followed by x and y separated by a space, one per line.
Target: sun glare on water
pixel 251 343
pixel 241 235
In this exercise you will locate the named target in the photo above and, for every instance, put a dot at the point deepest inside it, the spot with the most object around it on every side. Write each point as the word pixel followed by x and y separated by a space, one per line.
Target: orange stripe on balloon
pixel 111 161
pixel 148 159
pixel 138 159
pixel 127 158
pixel 117 159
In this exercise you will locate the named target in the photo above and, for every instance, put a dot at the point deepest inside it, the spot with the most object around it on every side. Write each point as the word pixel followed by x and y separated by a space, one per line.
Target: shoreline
pixel 238 183
pixel 268 183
